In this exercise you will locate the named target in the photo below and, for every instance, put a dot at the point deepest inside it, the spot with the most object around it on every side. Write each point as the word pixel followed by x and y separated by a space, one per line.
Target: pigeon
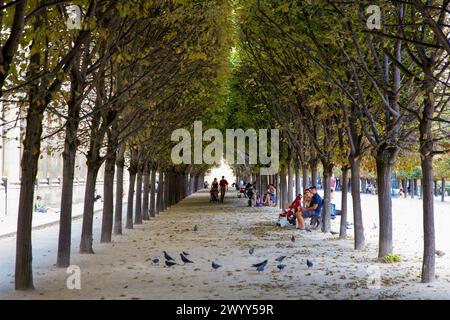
pixel 215 266
pixel 440 253
pixel 256 265
pixel 170 263
pixel 184 259
pixel 293 238
pixel 155 261
pixel 168 257
pixel 334 232
pixel 185 253
pixel 195 228
pixel 281 258
pixel 309 263
pixel 281 266
pixel 251 250
pixel 261 268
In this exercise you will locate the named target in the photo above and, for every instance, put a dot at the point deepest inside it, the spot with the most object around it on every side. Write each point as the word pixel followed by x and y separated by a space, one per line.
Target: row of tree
pixel 114 89
pixel 349 97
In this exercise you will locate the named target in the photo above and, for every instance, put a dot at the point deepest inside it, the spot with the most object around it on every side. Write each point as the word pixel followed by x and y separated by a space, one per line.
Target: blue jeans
pixel 309 214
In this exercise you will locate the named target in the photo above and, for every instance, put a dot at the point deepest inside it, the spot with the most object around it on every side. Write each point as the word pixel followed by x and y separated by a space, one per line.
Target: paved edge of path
pixel 46 224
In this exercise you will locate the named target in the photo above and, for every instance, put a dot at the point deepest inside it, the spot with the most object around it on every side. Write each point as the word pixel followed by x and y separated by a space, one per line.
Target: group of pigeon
pixel 261 265
pixel 169 261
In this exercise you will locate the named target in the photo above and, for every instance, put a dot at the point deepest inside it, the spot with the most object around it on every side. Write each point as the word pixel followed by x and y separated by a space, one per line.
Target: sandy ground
pixel 122 270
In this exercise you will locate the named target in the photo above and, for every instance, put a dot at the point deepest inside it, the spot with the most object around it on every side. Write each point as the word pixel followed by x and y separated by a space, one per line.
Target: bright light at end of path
pixel 218 172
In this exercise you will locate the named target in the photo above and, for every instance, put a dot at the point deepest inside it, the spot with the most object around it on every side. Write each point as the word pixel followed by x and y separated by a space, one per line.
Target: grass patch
pixel 392 258
pixel 263 228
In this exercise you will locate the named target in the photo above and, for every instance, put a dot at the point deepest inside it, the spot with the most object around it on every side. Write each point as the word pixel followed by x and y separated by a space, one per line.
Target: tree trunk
pixel 443 189
pixel 160 192
pixel 133 171
pixel 152 193
pixel 326 208
pixel 129 222
pixel 435 184
pixel 138 213
pixel 108 198
pixel 167 186
pixel 196 178
pixel 264 184
pixel 192 183
pixel 298 183
pixel 384 176
pixel 259 183
pixel 355 167
pixel 158 195
pixel 313 165
pixel 29 165
pixel 88 211
pixel 283 187
pixel 405 187
pixel 278 187
pixel 120 164
pixel 305 177
pixel 412 188
pixel 290 187
pixel 65 219
pixel 77 85
pixel 344 195
pixel 173 190
pixel 428 265
pixel 146 194
pixel 426 152
pixel 166 194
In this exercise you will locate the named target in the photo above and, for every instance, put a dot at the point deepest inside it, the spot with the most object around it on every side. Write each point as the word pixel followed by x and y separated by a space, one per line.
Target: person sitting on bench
pixel 314 209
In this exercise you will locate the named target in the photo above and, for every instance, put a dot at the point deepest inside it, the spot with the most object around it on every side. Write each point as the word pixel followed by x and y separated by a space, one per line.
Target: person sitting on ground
pixel 40 207
pixel 259 202
pixel 266 200
pixel 272 191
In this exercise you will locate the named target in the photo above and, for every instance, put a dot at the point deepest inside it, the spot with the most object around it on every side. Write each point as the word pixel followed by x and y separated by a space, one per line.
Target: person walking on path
pixel 250 193
pixel 223 186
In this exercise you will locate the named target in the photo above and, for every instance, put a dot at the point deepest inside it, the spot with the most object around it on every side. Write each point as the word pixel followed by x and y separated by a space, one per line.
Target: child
pixel 259 202
pixel 39 206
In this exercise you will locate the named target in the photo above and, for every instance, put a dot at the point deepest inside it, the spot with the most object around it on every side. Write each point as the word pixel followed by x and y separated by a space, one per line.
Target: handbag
pixel 282 222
